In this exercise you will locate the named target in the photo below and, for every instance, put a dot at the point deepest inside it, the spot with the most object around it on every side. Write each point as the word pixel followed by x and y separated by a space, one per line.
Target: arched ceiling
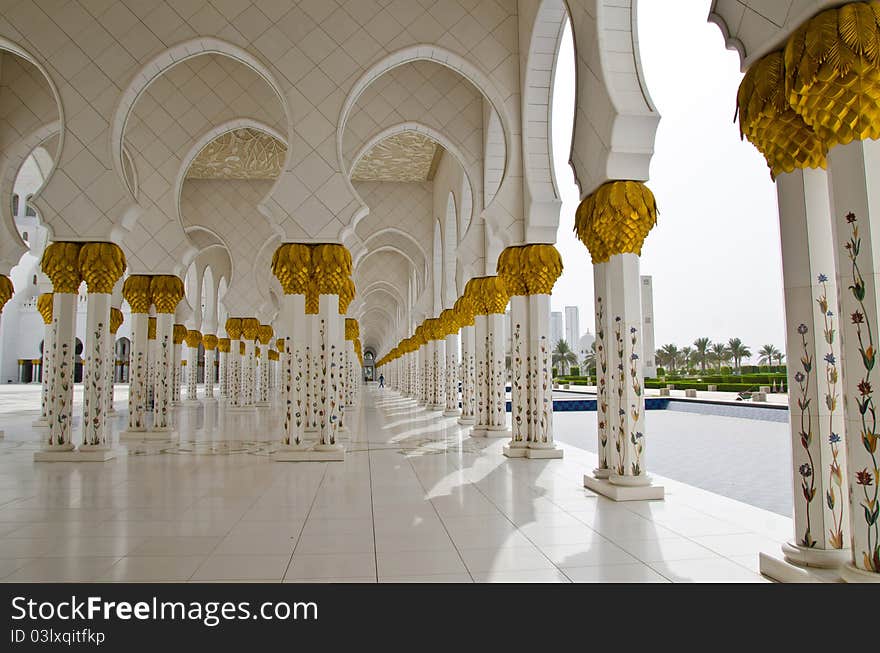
pixel 245 153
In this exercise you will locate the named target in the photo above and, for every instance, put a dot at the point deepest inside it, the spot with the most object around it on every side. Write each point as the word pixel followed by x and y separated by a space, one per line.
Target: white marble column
pixel 180 332
pixel 452 408
pixel 95 434
pixel 137 375
pixel 61 366
pixel 44 306
pixel 438 369
pixel 313 364
pixel 540 441
pixel 193 339
pixel 854 170
pixel 606 404
pixel 164 371
pixel 116 319
pixel 481 375
pixel 520 408
pixel 496 423
pixel 151 364
pixel 331 338
pixel 468 368
pixel 821 514
pixel 223 357
pixel 628 478
pixel 209 342
pixel 233 371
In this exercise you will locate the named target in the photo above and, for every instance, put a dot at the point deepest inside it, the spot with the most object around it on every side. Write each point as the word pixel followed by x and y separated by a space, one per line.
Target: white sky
pixel 714 254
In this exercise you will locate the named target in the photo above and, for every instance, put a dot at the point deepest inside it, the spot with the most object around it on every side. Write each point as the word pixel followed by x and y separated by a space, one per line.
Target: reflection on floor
pixel 415 500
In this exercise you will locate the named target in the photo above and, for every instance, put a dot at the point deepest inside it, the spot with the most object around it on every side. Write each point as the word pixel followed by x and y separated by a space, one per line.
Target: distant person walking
pixel 381 380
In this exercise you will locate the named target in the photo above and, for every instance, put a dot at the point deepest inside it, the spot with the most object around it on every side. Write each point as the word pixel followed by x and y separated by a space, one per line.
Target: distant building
pixel 585 347
pixel 555 328
pixel 572 326
pixel 649 360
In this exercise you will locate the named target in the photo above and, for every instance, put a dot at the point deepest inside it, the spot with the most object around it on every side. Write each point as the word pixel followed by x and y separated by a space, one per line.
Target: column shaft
pixel 137 375
pixel 94 371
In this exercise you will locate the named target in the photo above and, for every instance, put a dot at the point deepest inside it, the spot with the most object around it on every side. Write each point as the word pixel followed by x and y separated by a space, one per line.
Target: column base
pixel 190 402
pixel 466 421
pixel 262 404
pixel 852 574
pixel 454 412
pixel 515 450
pixel 819 558
pixel 497 432
pixel 138 436
pixel 780 568
pixel 214 399
pixel 241 409
pixel 544 453
pixel 617 492
pixel 318 453
pixel 40 423
pixel 75 456
pixel 601 473
pixel 437 407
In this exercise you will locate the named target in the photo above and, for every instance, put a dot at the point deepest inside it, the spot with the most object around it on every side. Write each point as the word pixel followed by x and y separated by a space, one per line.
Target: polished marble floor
pixel 415 501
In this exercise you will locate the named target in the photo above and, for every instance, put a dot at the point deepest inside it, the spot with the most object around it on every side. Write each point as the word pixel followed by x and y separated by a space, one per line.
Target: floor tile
pixel 242 567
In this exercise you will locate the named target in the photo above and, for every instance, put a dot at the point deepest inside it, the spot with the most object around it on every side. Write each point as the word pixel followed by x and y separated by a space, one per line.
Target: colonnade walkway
pixel 416 499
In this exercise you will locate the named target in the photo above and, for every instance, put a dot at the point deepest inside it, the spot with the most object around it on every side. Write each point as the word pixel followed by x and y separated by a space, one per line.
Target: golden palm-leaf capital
pixel 116 319
pixel 769 122
pixel 101 265
pixel 511 268
pixel 209 340
pixel 250 328
pixel 832 73
pixel 615 219
pixel 179 334
pixel 136 291
pixel 7 291
pixel 45 304
pixel 223 345
pixel 60 262
pixel 233 327
pixel 166 291
pixel 265 334
pixel 331 266
pixel 542 266
pixel 193 338
pixel 292 264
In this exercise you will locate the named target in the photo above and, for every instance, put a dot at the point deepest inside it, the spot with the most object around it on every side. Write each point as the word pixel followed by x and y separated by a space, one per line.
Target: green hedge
pixel 694 385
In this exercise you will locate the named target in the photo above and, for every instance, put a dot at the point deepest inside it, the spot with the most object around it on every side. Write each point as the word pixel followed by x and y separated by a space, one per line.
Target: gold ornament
pixel 250 328
pixel 136 291
pixel 279 344
pixel 193 338
pixel 223 345
pixel 101 265
pixel 241 348
pixel 61 264
pixel 449 321
pixel 233 327
pixel 616 219
pixel 179 334
pixel 44 306
pixel 313 303
pixel 273 355
pixel 257 352
pixel 832 73
pixel 331 266
pixel 346 296
pixel 352 329
pixel 265 333
pixel 510 267
pixel 151 328
pixel 541 265
pixel 116 319
pixel 768 121
pixel 7 291
pixel 292 263
pixel 489 295
pixel 166 291
pixel 464 312
pixel 209 340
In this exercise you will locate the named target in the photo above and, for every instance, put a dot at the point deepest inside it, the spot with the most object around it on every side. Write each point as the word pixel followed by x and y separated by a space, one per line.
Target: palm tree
pixel 687 357
pixel 779 358
pixel 701 352
pixel 563 356
pixel 668 354
pixel 738 351
pixel 589 360
pixel 719 353
pixel 766 354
